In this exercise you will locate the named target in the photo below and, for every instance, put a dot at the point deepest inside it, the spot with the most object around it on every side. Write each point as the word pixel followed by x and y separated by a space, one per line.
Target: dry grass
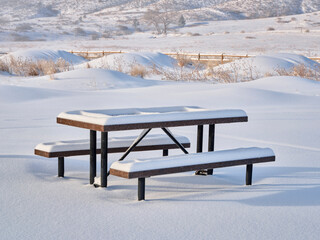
pixel 183 60
pixel 184 73
pixel 138 70
pixel 3 66
pixel 28 67
pixel 301 71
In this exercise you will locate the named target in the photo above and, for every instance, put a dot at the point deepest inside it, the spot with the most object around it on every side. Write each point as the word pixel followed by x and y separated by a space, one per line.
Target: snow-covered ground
pixel 295 34
pixel 284 114
pixel 282 203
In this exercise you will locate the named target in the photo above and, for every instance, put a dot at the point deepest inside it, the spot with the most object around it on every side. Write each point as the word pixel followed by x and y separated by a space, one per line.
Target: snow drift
pixel 266 65
pixel 44 54
pixel 125 61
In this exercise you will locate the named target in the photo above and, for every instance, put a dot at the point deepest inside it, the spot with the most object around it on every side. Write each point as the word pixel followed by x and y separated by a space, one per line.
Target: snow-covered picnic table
pixel 107 120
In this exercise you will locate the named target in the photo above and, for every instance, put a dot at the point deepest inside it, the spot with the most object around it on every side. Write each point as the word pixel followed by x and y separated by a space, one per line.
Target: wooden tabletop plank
pixel 142 118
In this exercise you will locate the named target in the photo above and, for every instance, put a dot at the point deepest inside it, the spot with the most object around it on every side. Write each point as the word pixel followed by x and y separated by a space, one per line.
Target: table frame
pixel 147 127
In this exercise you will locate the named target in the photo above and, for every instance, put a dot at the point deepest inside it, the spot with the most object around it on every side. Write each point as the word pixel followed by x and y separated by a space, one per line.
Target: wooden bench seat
pixel 142 168
pixel 69 148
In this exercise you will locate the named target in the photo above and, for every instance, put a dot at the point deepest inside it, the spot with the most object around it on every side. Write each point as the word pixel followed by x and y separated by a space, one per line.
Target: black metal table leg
pixel 200 138
pixel 249 174
pixel 141 188
pixel 60 166
pixel 165 152
pixel 200 147
pixel 211 143
pixel 104 158
pixel 93 155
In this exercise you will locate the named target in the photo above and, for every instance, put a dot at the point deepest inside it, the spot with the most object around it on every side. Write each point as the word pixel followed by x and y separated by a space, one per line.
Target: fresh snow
pixel 263 65
pixel 125 61
pixel 85 79
pixel 139 165
pixel 44 54
pixel 282 203
pixel 110 117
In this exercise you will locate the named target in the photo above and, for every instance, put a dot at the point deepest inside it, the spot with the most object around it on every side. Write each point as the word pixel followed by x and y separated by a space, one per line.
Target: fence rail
pixel 205 57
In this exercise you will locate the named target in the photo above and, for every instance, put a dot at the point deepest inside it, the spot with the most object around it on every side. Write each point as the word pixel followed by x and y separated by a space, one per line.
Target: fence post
pixel 222 58
pixel 199 57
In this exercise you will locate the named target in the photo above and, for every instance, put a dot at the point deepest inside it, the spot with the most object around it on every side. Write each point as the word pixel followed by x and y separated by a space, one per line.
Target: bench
pixel 144 168
pixel 69 148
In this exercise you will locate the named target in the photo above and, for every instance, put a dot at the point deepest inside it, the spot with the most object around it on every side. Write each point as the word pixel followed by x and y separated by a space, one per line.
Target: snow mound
pixel 125 61
pixel 44 54
pixel 10 94
pixel 94 79
pixel 287 84
pixel 261 66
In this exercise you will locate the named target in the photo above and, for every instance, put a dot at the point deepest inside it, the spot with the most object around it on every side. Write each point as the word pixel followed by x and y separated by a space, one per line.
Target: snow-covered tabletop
pixel 138 118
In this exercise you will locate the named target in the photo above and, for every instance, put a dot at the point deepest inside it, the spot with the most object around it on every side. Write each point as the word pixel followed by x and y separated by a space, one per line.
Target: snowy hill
pixel 34 20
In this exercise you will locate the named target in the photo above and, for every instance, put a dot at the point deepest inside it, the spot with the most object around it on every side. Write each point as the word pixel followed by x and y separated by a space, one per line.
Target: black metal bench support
pixel 93 155
pixel 165 152
pixel 60 166
pixel 249 174
pixel 141 188
pixel 135 143
pixel 170 135
pixel 104 158
pixel 142 182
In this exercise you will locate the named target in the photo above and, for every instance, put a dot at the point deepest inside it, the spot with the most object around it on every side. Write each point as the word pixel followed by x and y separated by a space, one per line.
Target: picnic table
pixel 109 120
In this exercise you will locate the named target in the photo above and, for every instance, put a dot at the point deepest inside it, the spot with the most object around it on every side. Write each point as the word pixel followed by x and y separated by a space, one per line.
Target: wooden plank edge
pixel 110 150
pixel 163 171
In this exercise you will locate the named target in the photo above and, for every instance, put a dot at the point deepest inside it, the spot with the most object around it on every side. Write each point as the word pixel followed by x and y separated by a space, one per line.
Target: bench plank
pixel 183 163
pixel 116 145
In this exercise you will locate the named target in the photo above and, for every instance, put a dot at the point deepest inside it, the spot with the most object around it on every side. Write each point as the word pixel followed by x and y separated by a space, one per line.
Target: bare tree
pixel 152 17
pixel 161 17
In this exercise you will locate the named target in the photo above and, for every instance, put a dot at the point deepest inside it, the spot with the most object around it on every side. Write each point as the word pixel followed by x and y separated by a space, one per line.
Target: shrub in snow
pixel 46 11
pixel 95 36
pixel 138 70
pixel 15 37
pixel 3 66
pixel 29 67
pixel 23 27
pixel 78 31
pixel 182 21
pixel 136 24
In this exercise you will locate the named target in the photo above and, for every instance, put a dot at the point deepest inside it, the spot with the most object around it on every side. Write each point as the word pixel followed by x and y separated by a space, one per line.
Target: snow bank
pixel 92 79
pixel 10 94
pixel 284 197
pixel 45 54
pixel 286 84
pixel 260 66
pixel 125 61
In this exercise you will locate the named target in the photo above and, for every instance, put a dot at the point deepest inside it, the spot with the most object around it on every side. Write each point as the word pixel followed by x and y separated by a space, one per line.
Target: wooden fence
pixel 216 58
pixel 204 57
